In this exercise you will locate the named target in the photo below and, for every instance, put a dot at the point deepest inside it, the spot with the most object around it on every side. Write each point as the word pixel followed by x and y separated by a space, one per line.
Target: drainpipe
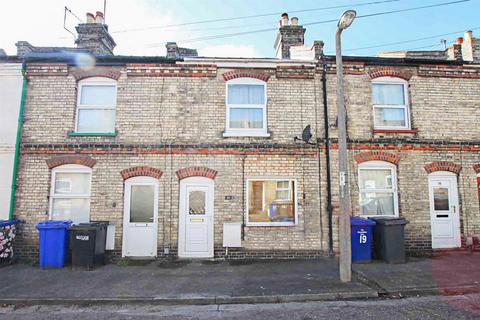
pixel 327 156
pixel 17 142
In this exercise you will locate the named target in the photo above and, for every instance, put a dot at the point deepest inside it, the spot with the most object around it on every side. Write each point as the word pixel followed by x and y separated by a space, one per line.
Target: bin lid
pixel 358 221
pixel 389 221
pixel 54 224
pixel 93 225
pixel 4 223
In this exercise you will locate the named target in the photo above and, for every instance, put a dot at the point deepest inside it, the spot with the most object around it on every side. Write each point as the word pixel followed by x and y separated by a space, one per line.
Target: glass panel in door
pixel 441 200
pixel 142 199
pixel 196 202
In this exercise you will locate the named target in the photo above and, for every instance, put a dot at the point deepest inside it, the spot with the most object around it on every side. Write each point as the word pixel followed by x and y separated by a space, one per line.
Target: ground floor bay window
pixel 378 189
pixel 271 202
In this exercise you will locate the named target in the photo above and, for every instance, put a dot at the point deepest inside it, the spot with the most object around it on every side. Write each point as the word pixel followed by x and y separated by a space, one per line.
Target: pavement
pixel 447 273
pixel 239 282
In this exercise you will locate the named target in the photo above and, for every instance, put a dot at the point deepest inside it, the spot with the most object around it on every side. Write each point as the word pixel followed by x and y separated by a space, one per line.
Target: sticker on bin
pixel 82 238
pixel 362 238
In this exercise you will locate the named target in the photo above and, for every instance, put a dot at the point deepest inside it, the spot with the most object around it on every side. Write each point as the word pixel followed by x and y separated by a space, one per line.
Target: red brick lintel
pixel 443 166
pixel 196 172
pixel 141 171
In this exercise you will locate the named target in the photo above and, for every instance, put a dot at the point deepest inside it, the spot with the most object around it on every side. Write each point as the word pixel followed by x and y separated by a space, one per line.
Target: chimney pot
pixel 459 40
pixel 294 21
pixel 284 20
pixel 90 18
pixel 99 17
pixel 468 35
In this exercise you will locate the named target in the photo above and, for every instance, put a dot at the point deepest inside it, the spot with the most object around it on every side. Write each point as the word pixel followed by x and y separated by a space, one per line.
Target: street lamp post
pixel 344 229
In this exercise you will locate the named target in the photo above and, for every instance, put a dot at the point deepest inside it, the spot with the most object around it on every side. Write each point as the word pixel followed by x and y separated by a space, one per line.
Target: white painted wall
pixel 10 92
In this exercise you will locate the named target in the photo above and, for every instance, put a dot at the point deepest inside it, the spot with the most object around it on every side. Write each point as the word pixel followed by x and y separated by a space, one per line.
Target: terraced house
pixel 202 157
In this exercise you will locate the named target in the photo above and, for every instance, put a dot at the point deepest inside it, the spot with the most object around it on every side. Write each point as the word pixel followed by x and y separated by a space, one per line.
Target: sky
pixel 142 27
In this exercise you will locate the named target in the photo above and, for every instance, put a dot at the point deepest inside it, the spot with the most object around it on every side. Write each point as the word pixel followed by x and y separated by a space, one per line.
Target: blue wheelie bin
pixel 53 240
pixel 361 237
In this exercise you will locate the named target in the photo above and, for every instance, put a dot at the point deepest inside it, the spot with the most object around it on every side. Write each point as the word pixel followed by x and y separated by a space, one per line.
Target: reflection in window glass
pixel 377 191
pixel 271 201
pixel 246 94
pixel 377 203
pixel 440 199
pixel 246 118
pixel 196 202
pixel 142 199
pixel 98 95
pixel 389 117
pixel 388 94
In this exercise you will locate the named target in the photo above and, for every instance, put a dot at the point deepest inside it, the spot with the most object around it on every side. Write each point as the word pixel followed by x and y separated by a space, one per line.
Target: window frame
pixel 246 132
pixel 376 165
pixel 271 224
pixel 95 81
pixel 406 106
pixel 69 168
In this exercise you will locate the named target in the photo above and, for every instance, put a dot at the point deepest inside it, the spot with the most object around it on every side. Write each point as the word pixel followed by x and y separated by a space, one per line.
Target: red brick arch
pixel 71 159
pixel 477 168
pixel 377 156
pixel 390 72
pixel 141 171
pixel 234 74
pixel 443 166
pixel 196 172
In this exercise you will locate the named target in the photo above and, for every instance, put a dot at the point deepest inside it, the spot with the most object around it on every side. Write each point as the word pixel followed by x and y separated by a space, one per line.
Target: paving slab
pixel 455 272
pixel 183 282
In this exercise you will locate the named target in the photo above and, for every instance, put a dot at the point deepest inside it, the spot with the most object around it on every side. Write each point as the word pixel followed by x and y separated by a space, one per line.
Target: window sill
pixel 228 134
pixel 89 134
pixel 404 131
pixel 271 224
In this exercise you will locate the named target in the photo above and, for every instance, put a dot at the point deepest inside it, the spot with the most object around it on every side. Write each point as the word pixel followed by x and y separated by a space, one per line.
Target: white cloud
pixel 229 50
pixel 41 24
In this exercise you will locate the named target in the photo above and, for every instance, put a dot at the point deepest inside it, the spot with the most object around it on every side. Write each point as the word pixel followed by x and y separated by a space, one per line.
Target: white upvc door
pixel 444 210
pixel 140 217
pixel 196 218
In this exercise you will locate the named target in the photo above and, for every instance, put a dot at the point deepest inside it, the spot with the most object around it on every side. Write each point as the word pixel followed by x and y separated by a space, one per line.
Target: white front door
pixel 444 210
pixel 196 218
pixel 140 217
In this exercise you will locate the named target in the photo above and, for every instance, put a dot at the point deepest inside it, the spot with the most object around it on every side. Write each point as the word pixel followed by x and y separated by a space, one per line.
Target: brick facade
pixel 170 120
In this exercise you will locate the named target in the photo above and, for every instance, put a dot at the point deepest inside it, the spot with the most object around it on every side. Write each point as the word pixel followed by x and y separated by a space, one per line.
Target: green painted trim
pixel 17 143
pixel 88 134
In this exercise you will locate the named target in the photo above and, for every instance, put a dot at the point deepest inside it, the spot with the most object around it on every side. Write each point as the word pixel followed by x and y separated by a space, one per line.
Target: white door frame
pixel 454 210
pixel 183 216
pixel 153 226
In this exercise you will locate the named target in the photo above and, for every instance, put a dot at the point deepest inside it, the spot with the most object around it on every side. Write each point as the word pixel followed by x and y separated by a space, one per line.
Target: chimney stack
pixel 176 52
pixel 94 37
pixel 290 34
pixel 470 47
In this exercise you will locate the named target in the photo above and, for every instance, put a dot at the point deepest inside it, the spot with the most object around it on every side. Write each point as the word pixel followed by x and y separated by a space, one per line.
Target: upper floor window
pixel 246 108
pixel 96 104
pixel 70 193
pixel 390 103
pixel 378 188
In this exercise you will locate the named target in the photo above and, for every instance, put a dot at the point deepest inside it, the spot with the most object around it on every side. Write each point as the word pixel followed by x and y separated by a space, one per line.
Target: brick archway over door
pixel 196 172
pixel 443 166
pixel 377 156
pixel 141 171
pixel 71 159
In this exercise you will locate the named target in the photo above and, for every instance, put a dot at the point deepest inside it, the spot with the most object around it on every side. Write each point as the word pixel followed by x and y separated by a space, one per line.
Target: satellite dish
pixel 307 134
